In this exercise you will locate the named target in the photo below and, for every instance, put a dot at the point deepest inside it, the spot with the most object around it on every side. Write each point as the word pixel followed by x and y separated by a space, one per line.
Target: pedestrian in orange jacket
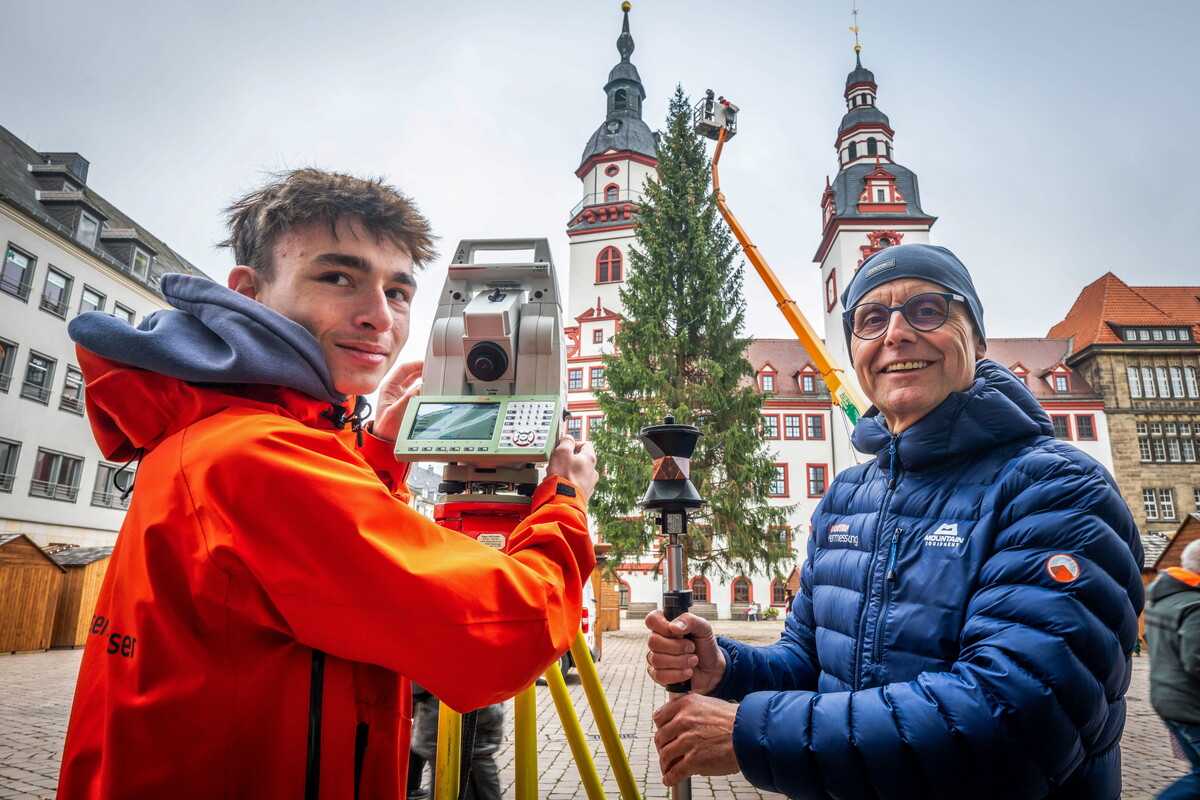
pixel 270 592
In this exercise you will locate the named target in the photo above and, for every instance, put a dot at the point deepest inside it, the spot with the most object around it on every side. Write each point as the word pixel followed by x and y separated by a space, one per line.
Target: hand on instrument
pixel 675 659
pixel 400 387
pixel 575 462
pixel 695 737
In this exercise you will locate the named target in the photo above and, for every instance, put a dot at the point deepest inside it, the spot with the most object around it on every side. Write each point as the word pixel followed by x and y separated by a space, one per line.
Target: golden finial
pixel 626 6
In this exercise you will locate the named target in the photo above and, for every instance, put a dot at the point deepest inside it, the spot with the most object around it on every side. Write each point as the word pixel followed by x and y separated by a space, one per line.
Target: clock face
pixel 831 290
pixel 614 125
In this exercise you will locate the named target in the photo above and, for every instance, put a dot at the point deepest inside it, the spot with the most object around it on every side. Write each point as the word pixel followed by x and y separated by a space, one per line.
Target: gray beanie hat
pixel 922 261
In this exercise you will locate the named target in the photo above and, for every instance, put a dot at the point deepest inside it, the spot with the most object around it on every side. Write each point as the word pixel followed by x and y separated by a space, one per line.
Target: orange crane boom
pixel 844 392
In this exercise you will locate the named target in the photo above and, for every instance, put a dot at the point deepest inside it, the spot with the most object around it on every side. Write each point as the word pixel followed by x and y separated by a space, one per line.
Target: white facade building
pixel 67 250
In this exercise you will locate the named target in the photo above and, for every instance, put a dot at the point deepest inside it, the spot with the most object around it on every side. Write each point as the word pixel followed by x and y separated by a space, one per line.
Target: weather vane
pixel 854 27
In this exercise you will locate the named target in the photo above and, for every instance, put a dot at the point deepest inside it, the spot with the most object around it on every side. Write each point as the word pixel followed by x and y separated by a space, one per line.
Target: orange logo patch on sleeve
pixel 1062 568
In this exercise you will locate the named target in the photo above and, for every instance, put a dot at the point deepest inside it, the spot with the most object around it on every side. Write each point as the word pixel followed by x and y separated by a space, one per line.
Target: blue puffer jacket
pixel 968 608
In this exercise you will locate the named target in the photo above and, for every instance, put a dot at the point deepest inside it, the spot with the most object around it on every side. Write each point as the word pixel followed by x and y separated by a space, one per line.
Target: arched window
pixel 778 597
pixel 741 590
pixel 1189 374
pixel 853 150
pixel 611 193
pixel 623 594
pixel 608 265
pixel 699 590
pixel 619 99
pixel 872 146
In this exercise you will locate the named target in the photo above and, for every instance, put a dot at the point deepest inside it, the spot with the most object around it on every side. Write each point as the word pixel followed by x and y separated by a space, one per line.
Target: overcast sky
pixel 1052 138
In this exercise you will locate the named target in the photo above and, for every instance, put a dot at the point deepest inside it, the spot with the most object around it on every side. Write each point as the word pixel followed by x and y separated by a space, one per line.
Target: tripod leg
pixel 618 759
pixel 525 745
pixel 574 731
pixel 449 753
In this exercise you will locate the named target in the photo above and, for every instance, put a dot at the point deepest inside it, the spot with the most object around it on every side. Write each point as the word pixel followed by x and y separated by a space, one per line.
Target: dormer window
pixel 86 230
pixel 1061 384
pixel 141 263
pixel 767 379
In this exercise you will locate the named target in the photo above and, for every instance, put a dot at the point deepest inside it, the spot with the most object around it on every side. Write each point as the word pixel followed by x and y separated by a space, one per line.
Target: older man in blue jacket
pixel 969 602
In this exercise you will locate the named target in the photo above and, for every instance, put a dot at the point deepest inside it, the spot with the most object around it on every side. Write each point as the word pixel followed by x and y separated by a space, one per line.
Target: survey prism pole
pixel 672 494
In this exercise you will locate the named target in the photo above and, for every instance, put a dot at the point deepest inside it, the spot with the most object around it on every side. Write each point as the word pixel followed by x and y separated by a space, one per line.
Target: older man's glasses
pixel 925 312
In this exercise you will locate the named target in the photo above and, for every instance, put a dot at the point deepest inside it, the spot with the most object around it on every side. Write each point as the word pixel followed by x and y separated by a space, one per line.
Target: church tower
pixel 616 162
pixel 872 203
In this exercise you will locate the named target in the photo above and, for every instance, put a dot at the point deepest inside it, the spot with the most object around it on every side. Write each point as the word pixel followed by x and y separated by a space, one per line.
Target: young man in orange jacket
pixel 269 594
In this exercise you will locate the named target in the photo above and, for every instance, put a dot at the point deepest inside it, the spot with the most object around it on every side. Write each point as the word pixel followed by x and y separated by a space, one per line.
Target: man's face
pixel 352 292
pixel 907 373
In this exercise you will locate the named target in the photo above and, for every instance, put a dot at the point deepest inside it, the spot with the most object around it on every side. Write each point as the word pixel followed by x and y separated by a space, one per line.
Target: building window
pixel 9 452
pixel 779 484
pixel 611 193
pixel 1130 335
pixel 1169 427
pixel 1170 334
pixel 121 312
pixel 575 428
pixel 1189 375
pixel 1085 427
pixel 782 536
pixel 873 149
pixel 141 263
pixel 778 592
pixel 1062 426
pixel 791 426
pixel 56 476
pixel 88 227
pixel 1160 452
pixel 596 377
pixel 1144 335
pixel 1150 501
pixel 741 590
pixel 1156 428
pixel 768 381
pixel 575 379
pixel 56 293
pixel 620 99
pixel 1164 389
pixel 8 359
pixel 880 195
pixel 1148 382
pixel 1135 385
pixel 1166 503
pixel 808 384
pixel 853 150
pixel 1144 447
pixel 594 424
pixel 72 393
pixel 622 595
pixel 1061 384
pixel 1157 334
pixel 816 480
pixel 608 265
pixel 1196 497
pixel 611 170
pixel 39 377
pixel 770 426
pixel 699 590
pixel 112 482
pixel 18 273
pixel 1177 381
pixel 1189 450
pixel 598 336
pixel 1173 452
pixel 90 300
pixel 816 426
pixel 1141 429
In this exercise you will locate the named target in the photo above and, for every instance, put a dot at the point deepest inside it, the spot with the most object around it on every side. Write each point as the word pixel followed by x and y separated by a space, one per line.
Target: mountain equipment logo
pixel 945 536
pixel 1062 568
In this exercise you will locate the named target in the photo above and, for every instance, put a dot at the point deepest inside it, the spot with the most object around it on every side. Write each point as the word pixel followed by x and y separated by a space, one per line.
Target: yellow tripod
pixel 449 752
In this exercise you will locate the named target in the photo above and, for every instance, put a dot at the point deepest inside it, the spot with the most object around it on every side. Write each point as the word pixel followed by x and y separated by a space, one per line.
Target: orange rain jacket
pixel 258 534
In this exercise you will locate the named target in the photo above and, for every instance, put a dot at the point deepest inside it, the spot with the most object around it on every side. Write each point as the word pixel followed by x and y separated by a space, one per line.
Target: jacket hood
pixel 212 335
pixel 1167 585
pixel 214 350
pixel 996 408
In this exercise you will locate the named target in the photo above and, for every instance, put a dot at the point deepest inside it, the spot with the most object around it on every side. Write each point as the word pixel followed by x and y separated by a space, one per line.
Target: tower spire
pixel 854 27
pixel 625 40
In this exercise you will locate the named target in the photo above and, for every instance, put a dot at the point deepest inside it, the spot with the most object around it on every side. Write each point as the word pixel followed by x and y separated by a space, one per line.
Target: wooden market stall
pixel 85 568
pixel 29 586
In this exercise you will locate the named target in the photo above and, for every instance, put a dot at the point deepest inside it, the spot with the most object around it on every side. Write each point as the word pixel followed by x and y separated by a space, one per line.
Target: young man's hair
pixel 1190 559
pixel 310 195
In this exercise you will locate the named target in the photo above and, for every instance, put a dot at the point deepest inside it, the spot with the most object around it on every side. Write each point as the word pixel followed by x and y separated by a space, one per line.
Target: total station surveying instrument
pixel 490 409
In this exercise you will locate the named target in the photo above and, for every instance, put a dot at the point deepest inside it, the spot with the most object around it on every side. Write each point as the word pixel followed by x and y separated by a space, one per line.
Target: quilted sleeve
pixel 1039 679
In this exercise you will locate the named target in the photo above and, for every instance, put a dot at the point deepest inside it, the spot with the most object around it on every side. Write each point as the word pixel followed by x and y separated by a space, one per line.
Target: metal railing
pixel 19 289
pixel 54 491
pixel 6 482
pixel 601 199
pixel 34 392
pixel 58 309
pixel 72 404
pixel 5 381
pixel 109 500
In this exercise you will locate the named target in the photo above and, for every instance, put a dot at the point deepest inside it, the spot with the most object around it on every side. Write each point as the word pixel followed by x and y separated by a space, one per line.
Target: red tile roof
pixel 1039 357
pixel 787 357
pixel 1109 300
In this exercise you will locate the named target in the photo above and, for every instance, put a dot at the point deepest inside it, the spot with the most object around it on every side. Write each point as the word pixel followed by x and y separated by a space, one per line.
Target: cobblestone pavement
pixel 36 689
